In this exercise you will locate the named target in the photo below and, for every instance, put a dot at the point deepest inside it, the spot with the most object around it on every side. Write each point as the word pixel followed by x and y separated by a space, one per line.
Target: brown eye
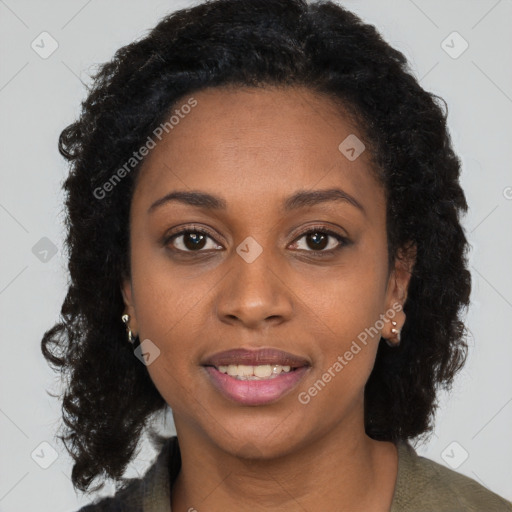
pixel 316 240
pixel 321 240
pixel 191 241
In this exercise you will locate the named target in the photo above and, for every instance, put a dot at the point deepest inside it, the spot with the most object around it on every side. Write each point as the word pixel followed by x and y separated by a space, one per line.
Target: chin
pixel 260 440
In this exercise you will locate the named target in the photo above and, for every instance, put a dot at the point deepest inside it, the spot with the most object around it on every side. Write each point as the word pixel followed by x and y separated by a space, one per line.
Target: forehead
pixel 244 143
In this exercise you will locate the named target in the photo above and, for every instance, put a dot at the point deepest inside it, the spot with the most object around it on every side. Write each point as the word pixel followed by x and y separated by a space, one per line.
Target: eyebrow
pixel 301 199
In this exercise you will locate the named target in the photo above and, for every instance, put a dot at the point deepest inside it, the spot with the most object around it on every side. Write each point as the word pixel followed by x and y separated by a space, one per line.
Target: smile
pixel 256 376
pixel 259 372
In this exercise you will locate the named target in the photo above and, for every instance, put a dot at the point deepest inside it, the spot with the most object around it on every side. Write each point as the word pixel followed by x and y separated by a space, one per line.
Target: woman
pixel 263 208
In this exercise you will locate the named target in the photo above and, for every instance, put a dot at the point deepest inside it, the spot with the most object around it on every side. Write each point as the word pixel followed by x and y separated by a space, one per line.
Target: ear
pixel 127 293
pixel 399 278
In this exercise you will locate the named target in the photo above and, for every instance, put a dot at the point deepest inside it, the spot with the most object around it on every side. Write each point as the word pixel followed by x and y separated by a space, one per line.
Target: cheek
pixel 171 318
pixel 178 386
pixel 349 297
pixel 165 295
pixel 346 305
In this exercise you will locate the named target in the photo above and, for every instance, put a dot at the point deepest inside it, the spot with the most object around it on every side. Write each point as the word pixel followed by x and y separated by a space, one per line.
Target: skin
pixel 254 148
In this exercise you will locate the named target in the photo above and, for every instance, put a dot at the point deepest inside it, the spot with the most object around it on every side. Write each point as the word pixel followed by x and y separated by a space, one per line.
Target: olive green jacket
pixel 422 486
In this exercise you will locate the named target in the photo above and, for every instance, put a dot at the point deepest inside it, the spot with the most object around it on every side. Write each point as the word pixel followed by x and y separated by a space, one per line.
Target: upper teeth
pixel 262 371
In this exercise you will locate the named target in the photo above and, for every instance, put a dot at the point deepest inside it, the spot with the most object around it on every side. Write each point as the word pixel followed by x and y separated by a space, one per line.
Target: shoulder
pixel 424 485
pixel 128 499
pixel 149 493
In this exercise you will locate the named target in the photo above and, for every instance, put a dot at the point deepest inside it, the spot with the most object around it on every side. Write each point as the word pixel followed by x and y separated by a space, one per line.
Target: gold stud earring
pixel 126 318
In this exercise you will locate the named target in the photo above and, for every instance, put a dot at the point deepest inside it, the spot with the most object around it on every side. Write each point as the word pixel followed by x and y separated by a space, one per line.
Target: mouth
pixel 258 372
pixel 258 377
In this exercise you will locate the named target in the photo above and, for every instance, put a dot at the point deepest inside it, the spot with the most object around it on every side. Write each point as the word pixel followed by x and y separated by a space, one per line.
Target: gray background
pixel 39 97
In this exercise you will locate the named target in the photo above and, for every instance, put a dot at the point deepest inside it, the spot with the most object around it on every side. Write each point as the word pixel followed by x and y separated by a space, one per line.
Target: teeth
pixel 245 372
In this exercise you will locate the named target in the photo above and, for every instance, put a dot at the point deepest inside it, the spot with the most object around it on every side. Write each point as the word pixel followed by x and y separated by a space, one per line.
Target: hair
pixel 109 397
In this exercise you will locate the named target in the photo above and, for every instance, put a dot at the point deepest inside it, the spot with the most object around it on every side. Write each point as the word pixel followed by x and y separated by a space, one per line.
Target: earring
pixel 394 331
pixel 126 318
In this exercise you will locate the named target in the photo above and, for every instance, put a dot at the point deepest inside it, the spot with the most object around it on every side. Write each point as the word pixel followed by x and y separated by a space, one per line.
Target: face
pixel 307 277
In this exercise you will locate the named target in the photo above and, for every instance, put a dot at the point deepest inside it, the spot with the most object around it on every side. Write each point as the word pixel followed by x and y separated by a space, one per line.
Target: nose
pixel 255 294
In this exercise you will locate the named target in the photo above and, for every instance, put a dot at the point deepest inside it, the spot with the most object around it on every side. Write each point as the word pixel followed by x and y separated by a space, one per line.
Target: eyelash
pixel 314 229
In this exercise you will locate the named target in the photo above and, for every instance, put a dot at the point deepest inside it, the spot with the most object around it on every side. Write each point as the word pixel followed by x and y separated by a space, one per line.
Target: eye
pixel 316 239
pixel 191 240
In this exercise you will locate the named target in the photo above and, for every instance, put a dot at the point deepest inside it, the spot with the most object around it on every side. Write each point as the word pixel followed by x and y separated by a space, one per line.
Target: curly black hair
pixel 109 400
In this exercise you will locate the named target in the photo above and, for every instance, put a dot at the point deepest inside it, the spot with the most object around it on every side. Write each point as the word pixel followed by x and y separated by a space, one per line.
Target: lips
pixel 255 357
pixel 262 391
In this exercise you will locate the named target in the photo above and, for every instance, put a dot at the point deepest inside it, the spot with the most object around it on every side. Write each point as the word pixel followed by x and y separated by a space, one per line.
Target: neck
pixel 342 470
